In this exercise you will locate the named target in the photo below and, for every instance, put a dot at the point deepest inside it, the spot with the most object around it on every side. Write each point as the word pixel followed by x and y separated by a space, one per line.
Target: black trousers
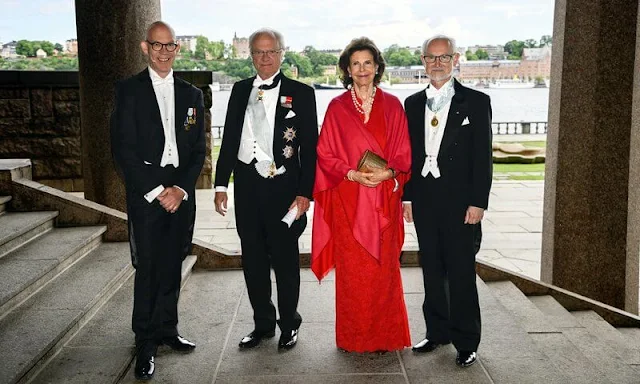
pixel 157 241
pixel 267 242
pixel 447 256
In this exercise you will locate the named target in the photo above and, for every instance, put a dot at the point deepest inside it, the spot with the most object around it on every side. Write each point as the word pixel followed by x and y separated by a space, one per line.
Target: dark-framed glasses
pixel 270 53
pixel 157 46
pixel 443 58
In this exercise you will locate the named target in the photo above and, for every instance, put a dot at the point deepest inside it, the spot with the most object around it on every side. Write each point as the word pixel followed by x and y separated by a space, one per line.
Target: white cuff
pixel 221 189
pixel 397 184
pixel 154 193
pixel 186 195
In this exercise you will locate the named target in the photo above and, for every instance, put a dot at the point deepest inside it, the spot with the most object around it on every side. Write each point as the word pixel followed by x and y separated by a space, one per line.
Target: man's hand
pixel 407 212
pixel 303 204
pixel 473 215
pixel 170 199
pixel 220 201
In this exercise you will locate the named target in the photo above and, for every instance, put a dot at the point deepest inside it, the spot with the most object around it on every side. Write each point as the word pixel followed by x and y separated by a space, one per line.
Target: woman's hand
pixel 362 178
pixel 379 175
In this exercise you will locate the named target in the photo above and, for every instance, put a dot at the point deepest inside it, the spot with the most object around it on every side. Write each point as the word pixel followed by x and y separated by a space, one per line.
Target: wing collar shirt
pixel 165 95
pixel 249 148
pixel 433 135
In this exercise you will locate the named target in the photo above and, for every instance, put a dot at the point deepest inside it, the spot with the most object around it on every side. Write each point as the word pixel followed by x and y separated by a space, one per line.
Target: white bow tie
pixel 158 81
pixel 258 82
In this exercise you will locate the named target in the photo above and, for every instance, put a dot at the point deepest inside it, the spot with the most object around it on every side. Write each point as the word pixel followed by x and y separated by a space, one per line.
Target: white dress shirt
pixel 165 96
pixel 249 149
pixel 433 135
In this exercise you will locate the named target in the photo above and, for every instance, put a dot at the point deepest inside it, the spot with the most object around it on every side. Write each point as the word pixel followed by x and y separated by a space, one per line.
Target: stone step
pixel 546 333
pixel 28 268
pixel 507 350
pixel 592 338
pixel 102 351
pixel 631 339
pixel 17 228
pixel 4 200
pixel 41 325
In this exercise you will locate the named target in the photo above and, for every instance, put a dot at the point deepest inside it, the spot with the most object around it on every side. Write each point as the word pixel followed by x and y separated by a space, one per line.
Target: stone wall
pixel 40 120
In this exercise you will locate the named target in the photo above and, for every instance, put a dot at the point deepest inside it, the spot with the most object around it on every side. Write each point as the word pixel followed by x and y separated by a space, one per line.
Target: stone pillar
pixel 109 35
pixel 587 181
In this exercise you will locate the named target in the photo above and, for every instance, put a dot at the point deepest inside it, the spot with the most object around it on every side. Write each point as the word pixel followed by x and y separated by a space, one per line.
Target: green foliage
pixel 239 68
pixel 58 47
pixel 514 48
pixel 470 56
pixel 304 65
pixel 214 49
pixel 318 59
pixel 545 40
pixel 29 48
pixel 53 63
pixel 401 57
pixel 482 54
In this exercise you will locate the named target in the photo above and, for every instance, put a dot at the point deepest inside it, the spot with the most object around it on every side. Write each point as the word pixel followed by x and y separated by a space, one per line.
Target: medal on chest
pixel 434 121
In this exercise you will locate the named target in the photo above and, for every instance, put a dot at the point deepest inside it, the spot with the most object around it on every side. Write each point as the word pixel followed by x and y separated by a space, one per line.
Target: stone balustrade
pixel 40 120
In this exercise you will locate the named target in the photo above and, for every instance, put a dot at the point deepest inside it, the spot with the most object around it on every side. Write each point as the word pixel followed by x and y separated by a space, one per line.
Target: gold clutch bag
pixel 370 160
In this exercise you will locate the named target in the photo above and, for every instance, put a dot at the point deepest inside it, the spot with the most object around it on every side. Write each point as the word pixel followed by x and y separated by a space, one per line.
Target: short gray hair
pixel 277 36
pixel 450 40
pixel 157 24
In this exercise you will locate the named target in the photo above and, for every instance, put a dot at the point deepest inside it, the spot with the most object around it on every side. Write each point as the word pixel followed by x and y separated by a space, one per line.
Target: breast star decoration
pixel 289 134
pixel 287 151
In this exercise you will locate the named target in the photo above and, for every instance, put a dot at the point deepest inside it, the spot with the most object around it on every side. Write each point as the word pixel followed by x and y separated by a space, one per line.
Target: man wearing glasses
pixel 450 131
pixel 158 144
pixel 269 143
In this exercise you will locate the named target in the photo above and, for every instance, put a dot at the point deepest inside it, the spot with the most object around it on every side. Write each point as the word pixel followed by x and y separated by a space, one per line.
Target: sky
pixel 324 24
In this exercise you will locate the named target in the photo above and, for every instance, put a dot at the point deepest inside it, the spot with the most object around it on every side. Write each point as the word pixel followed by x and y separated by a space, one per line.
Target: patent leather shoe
pixel 426 345
pixel 179 343
pixel 254 338
pixel 288 339
pixel 466 358
pixel 145 367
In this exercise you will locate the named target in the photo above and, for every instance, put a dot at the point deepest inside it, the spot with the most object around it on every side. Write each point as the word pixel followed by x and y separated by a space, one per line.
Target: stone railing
pixel 519 128
pixel 498 128
pixel 40 120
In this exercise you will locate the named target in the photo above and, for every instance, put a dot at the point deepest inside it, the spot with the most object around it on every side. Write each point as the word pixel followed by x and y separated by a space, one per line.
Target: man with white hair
pixel 158 144
pixel 269 143
pixel 450 131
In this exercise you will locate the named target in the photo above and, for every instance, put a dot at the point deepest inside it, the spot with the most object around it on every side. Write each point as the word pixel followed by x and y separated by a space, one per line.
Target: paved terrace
pixel 512 228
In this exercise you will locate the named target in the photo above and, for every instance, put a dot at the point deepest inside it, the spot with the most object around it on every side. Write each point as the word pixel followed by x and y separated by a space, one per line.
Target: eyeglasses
pixel 432 59
pixel 270 53
pixel 156 46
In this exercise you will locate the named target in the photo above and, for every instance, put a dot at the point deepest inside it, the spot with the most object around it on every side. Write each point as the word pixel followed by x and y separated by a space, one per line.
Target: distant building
pixel 187 42
pixel 489 69
pixel 536 62
pixel 241 45
pixel 410 74
pixel 329 70
pixel 71 47
pixel 9 50
pixel 496 52
pixel 41 54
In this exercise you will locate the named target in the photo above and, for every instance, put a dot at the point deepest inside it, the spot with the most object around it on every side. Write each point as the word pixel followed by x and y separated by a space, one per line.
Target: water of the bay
pixel 509 105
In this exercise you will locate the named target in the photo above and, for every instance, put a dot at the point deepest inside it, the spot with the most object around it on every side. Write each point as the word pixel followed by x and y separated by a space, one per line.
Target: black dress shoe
pixel 179 343
pixel 145 368
pixel 426 345
pixel 288 339
pixel 466 358
pixel 254 338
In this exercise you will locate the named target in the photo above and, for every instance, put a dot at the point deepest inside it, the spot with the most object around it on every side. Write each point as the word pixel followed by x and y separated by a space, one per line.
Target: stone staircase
pixel 60 290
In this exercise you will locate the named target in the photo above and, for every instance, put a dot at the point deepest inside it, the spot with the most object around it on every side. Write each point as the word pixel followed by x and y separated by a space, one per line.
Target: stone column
pixel 587 182
pixel 109 35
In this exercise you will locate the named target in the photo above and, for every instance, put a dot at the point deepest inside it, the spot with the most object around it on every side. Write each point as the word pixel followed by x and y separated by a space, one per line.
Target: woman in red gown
pixel 357 224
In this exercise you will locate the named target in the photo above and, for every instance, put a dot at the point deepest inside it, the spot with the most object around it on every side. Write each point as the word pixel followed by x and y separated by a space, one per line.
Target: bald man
pixel 158 144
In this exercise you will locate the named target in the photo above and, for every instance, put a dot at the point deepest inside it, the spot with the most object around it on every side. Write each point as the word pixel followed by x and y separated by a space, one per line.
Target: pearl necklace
pixel 365 107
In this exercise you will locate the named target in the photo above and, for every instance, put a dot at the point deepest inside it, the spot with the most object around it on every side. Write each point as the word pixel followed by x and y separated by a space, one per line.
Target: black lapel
pixel 457 113
pixel 149 95
pixel 422 105
pixel 182 103
pixel 278 125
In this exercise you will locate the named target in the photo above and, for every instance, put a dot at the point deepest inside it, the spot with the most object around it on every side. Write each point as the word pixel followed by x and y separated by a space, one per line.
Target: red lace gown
pixel 370 309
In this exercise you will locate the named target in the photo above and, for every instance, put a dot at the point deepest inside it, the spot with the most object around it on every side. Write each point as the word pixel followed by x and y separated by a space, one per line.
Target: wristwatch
pixel 393 172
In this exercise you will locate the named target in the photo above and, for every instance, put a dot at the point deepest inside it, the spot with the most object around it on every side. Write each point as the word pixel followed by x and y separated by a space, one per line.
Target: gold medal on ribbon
pixel 434 121
pixel 260 95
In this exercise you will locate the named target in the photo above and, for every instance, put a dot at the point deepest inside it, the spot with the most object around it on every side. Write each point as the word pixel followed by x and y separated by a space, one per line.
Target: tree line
pixel 216 56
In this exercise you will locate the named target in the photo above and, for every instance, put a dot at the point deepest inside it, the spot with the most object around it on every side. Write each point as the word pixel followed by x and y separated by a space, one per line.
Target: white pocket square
pixel 465 121
pixel 290 114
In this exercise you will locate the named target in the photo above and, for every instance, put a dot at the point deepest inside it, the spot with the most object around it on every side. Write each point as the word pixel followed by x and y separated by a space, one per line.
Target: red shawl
pixel 342 141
